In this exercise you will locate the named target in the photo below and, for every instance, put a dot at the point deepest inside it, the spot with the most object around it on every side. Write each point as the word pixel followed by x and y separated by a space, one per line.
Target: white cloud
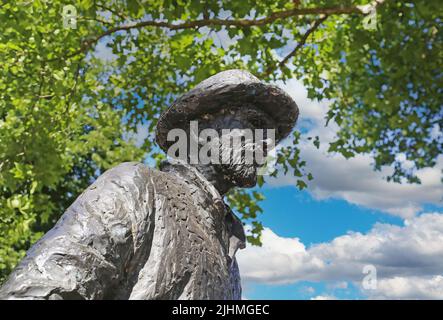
pixel 312 110
pixel 353 179
pixel 409 288
pixel 408 259
pixel 278 261
pixel 324 297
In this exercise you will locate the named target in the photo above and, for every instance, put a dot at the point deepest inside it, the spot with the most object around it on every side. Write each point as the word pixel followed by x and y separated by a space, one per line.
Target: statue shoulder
pixel 130 167
pixel 120 183
pixel 128 171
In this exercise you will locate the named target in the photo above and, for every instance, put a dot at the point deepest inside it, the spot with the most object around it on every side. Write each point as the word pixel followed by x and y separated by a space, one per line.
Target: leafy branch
pixel 300 44
pixel 242 23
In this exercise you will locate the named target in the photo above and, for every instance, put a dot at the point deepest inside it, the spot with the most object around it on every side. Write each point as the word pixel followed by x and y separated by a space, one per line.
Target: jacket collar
pixel 192 175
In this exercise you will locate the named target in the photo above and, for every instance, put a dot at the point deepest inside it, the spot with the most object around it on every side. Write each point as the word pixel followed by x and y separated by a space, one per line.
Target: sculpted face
pixel 229 100
pixel 237 125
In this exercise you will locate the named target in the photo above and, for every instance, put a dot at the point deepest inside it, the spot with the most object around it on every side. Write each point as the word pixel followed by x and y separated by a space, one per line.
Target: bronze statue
pixel 142 233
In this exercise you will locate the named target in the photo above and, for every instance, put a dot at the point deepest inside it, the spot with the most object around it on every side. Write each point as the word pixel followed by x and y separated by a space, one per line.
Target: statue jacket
pixel 137 233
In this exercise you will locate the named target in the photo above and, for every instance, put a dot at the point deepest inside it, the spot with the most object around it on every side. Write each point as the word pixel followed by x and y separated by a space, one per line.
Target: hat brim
pixel 272 100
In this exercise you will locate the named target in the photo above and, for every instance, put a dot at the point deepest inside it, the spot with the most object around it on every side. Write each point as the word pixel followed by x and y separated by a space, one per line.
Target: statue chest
pixel 189 257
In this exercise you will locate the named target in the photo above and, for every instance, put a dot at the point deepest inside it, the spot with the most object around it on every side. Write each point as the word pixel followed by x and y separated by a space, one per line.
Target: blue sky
pixel 293 213
pixel 317 242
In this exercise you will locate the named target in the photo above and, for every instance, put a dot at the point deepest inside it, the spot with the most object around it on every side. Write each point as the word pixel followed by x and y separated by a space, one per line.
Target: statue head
pixel 229 122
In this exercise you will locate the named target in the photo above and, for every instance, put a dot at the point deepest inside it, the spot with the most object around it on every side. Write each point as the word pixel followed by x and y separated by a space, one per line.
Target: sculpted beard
pixel 241 168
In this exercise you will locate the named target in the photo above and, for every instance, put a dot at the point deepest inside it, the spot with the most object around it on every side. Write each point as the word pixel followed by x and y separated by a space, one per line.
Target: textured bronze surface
pixel 137 233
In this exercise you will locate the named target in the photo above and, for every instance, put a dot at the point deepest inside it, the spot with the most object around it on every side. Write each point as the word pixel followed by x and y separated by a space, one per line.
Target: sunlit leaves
pixel 388 88
pixel 246 205
pixel 53 142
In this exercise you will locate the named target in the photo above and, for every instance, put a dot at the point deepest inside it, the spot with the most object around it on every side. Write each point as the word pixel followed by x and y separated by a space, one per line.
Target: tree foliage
pixel 69 107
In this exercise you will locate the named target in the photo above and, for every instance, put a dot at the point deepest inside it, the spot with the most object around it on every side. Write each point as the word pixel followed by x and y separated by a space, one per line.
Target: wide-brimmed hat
pixel 228 89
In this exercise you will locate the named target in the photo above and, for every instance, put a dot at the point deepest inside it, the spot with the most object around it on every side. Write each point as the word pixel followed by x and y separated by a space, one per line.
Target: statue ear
pixel 237 237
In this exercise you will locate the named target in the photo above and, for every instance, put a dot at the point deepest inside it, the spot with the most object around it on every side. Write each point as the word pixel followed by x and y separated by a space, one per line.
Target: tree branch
pixel 114 12
pixel 299 45
pixel 74 87
pixel 242 23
